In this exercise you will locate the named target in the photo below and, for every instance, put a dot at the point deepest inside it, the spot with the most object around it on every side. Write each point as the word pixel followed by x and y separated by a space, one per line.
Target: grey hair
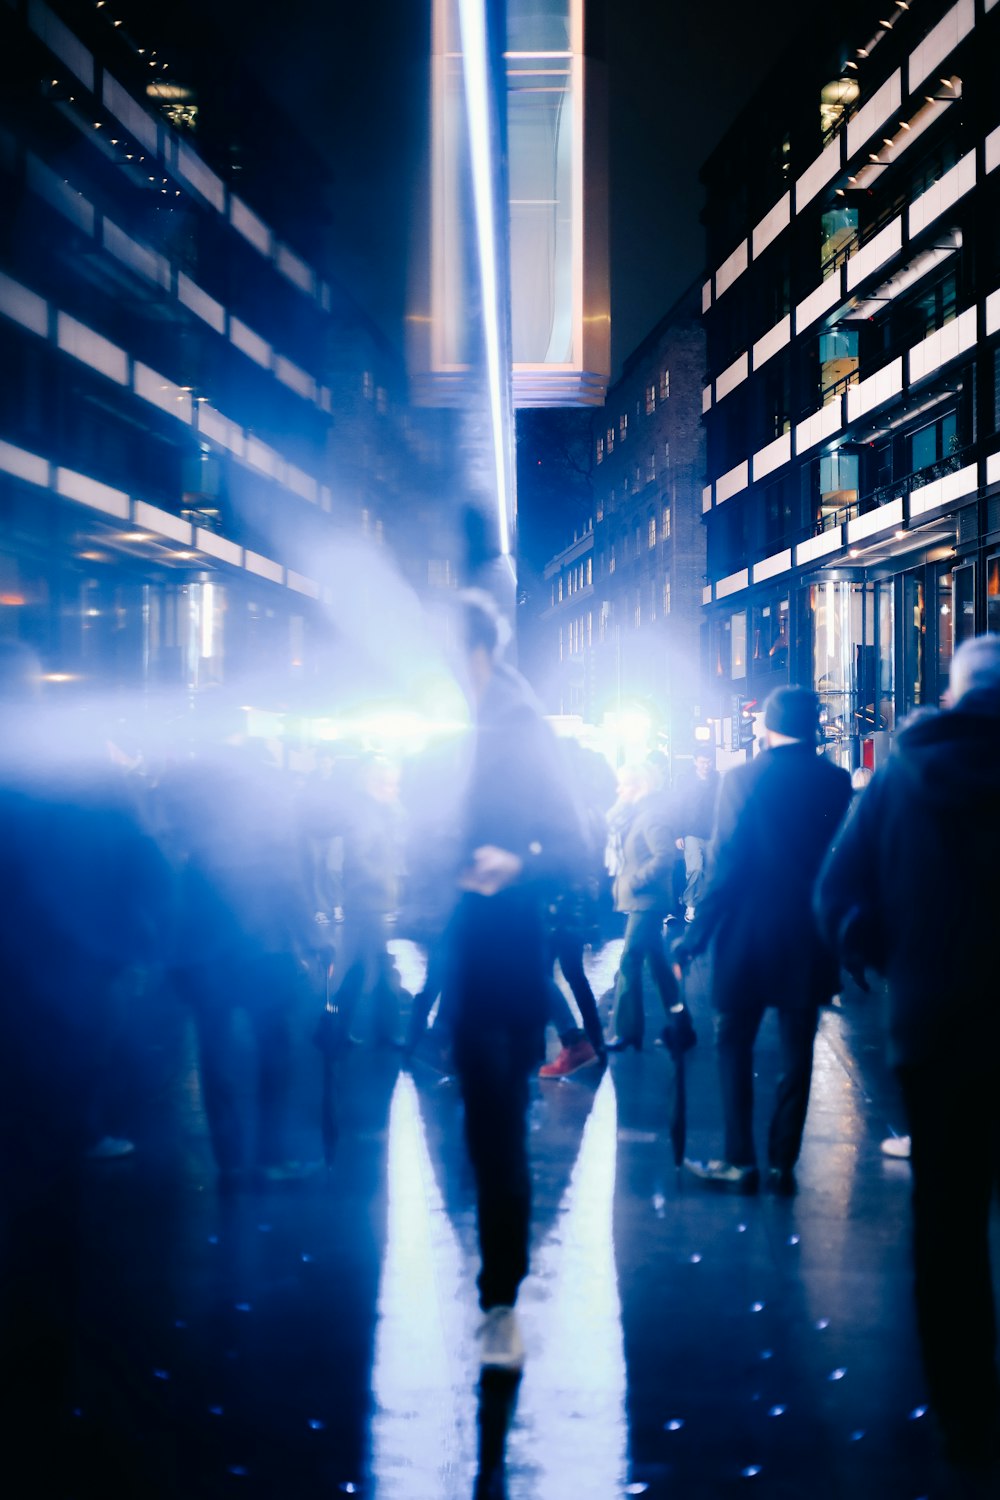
pixel 975 667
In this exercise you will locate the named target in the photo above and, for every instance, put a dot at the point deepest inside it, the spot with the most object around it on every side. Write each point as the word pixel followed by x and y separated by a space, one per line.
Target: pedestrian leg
pixel 735 1034
pixel 493 1073
pixel 797 1033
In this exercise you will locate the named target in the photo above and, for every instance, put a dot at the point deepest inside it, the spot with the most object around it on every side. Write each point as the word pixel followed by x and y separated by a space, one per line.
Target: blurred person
pixel 935 805
pixel 520 839
pixel 244 931
pixel 84 896
pixel 695 793
pixel 642 823
pixel 776 818
pixel 572 914
pixel 431 791
pixel 374 841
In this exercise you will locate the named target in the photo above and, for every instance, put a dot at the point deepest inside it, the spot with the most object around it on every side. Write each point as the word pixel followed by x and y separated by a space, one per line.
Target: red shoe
pixel 576 1055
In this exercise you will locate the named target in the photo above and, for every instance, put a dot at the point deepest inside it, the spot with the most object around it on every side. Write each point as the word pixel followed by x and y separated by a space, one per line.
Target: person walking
pixel 641 821
pixel 777 816
pixel 695 794
pixel 521 838
pixel 935 804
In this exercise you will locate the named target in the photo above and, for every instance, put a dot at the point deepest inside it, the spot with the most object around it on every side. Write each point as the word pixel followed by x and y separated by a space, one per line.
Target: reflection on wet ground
pixel 319 1338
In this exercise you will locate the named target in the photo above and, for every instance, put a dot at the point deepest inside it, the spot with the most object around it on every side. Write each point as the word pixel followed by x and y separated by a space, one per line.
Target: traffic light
pixel 744 722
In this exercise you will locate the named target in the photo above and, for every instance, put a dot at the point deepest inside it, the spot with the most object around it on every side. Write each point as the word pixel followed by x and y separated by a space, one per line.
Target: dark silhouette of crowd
pixel 267 900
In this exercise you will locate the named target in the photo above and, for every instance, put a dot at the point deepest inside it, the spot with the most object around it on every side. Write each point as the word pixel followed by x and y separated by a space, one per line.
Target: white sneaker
pixel 500 1344
pixel 897 1146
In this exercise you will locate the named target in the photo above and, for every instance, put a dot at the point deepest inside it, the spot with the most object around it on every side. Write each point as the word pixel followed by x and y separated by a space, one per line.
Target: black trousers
pixel 735 1034
pixel 566 947
pixel 266 988
pixel 494 1065
pixel 954 1120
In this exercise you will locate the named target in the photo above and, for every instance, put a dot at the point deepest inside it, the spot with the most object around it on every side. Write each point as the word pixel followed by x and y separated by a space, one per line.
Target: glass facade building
pixel 852 313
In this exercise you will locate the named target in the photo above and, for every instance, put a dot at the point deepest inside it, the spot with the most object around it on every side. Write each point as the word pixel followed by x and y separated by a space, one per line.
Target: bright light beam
pixel 475 74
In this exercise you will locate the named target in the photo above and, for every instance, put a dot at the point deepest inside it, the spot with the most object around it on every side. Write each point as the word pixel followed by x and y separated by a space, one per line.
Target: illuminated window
pixel 600 508
pixel 626 485
pixel 650 399
pixel 611 559
pixel 651 531
pixel 590 627
pixel 590 571
pixel 600 450
pixel 666 596
pixel 611 439
pixel 651 468
pixel 665 522
pixel 638 538
pixel 367 385
pixel 623 426
pixel 560 588
pixel 664 384
pixel 637 612
pixel 666 455
pixel 637 476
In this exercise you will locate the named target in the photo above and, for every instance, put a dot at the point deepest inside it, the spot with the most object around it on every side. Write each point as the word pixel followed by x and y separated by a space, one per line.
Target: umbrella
pixel 678 1107
pixel 326 1037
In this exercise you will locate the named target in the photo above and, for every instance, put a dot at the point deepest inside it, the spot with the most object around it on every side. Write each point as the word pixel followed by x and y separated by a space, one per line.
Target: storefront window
pixel 964 619
pixel 945 626
pixel 913 637
pixel 739 645
pixel 993 593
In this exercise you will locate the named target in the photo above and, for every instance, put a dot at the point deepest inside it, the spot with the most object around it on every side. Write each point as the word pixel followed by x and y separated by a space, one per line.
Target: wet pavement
pixel 318 1338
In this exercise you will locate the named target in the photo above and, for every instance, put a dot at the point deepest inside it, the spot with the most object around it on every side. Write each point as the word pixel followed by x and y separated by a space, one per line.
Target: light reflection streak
pixel 424 1422
pixel 571 1433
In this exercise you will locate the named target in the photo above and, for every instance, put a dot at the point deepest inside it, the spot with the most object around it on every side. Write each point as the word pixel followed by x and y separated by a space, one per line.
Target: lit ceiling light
pixel 862 51
pixel 947 83
pixel 904 124
pixel 851 64
pixel 900 535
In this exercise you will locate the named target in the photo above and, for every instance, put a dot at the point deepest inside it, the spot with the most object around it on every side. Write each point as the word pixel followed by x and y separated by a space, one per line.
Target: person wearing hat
pixel 775 820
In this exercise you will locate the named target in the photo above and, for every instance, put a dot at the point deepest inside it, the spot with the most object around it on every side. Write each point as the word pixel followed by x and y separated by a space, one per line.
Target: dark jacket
pixel 694 799
pixel 648 855
pixel 909 888
pixel 516 798
pixel 776 818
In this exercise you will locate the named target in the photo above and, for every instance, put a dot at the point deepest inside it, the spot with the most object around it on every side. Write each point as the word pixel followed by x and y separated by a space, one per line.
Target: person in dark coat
pixel 521 838
pixel 243 937
pixel 776 818
pixel 642 823
pixel 935 805
pixel 696 791
pixel 85 895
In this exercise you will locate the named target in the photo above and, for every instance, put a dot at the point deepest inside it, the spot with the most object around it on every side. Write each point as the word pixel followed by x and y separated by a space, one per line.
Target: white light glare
pixel 472 23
